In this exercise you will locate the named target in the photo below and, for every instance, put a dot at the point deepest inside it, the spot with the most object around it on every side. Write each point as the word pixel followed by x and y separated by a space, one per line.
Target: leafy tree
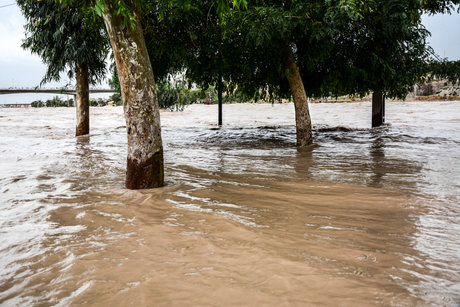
pixel 189 38
pixel 67 40
pixel 214 50
pixel 341 47
pixel 384 50
pixel 123 21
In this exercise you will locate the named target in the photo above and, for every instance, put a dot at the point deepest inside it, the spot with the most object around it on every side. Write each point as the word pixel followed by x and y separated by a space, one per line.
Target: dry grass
pixel 436 98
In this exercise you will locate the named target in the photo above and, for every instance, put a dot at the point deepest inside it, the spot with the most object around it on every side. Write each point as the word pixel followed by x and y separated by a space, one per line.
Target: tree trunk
pixel 219 96
pixel 145 149
pixel 82 99
pixel 302 114
pixel 378 109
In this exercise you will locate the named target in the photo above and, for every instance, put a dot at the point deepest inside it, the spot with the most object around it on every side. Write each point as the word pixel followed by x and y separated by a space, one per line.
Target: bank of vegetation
pixel 54 102
pixel 173 96
pixel 57 102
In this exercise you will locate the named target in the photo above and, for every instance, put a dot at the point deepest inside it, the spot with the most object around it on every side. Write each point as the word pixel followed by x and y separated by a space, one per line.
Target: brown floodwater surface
pixel 362 217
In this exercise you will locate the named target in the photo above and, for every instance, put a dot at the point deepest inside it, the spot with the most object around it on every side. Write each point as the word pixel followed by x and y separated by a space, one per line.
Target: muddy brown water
pixel 362 217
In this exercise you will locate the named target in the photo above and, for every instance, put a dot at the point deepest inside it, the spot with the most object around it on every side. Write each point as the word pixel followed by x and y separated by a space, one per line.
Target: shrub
pixel 37 104
pixel 116 98
pixel 174 97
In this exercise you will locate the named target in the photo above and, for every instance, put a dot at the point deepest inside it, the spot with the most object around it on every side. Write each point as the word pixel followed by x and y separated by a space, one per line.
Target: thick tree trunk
pixel 378 109
pixel 145 149
pixel 82 99
pixel 302 114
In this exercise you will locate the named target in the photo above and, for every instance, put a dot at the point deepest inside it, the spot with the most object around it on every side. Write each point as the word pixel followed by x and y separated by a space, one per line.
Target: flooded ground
pixel 363 217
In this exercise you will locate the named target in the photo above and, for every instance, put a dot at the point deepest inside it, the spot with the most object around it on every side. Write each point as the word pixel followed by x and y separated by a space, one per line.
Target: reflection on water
pixel 362 217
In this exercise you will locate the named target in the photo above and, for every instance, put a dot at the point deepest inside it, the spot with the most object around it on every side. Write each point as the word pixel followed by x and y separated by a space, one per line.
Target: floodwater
pixel 362 217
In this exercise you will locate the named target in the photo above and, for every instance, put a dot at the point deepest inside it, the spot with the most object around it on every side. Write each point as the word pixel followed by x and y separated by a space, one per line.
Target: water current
pixel 362 217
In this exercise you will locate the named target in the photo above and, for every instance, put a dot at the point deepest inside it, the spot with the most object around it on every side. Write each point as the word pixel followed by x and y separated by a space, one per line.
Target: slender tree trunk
pixel 378 109
pixel 302 114
pixel 145 149
pixel 220 87
pixel 82 99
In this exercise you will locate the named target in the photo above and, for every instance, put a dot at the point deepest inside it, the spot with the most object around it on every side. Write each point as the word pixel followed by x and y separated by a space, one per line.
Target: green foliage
pixel 132 9
pixel 341 46
pixel 171 36
pixel 63 37
pixel 116 98
pixel 58 102
pixel 192 39
pixel 122 8
pixel 99 102
pixel 383 50
pixel 440 6
pixel 444 69
pixel 174 97
pixel 114 82
pixel 37 104
pixel 54 102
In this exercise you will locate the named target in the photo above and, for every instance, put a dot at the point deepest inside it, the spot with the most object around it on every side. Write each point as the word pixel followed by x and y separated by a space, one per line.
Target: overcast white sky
pixel 19 68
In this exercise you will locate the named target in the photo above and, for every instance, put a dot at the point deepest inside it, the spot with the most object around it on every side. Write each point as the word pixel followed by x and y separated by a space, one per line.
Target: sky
pixel 19 68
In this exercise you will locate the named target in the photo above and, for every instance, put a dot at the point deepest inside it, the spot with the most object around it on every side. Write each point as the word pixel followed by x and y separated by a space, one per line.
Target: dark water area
pixel 362 217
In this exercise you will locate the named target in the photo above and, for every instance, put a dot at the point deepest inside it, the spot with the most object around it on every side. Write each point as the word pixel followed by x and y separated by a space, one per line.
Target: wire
pixel 7 5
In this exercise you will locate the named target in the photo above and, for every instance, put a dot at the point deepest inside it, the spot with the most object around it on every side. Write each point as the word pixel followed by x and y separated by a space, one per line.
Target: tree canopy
pixel 64 37
pixel 190 39
pixel 383 49
pixel 341 47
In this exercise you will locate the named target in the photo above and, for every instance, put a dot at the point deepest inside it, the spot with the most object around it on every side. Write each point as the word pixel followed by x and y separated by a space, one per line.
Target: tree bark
pixel 302 114
pixel 378 109
pixel 141 110
pixel 82 99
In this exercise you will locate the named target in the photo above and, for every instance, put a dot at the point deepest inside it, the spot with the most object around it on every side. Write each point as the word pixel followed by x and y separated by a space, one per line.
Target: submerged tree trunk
pixel 378 109
pixel 302 114
pixel 145 149
pixel 82 99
